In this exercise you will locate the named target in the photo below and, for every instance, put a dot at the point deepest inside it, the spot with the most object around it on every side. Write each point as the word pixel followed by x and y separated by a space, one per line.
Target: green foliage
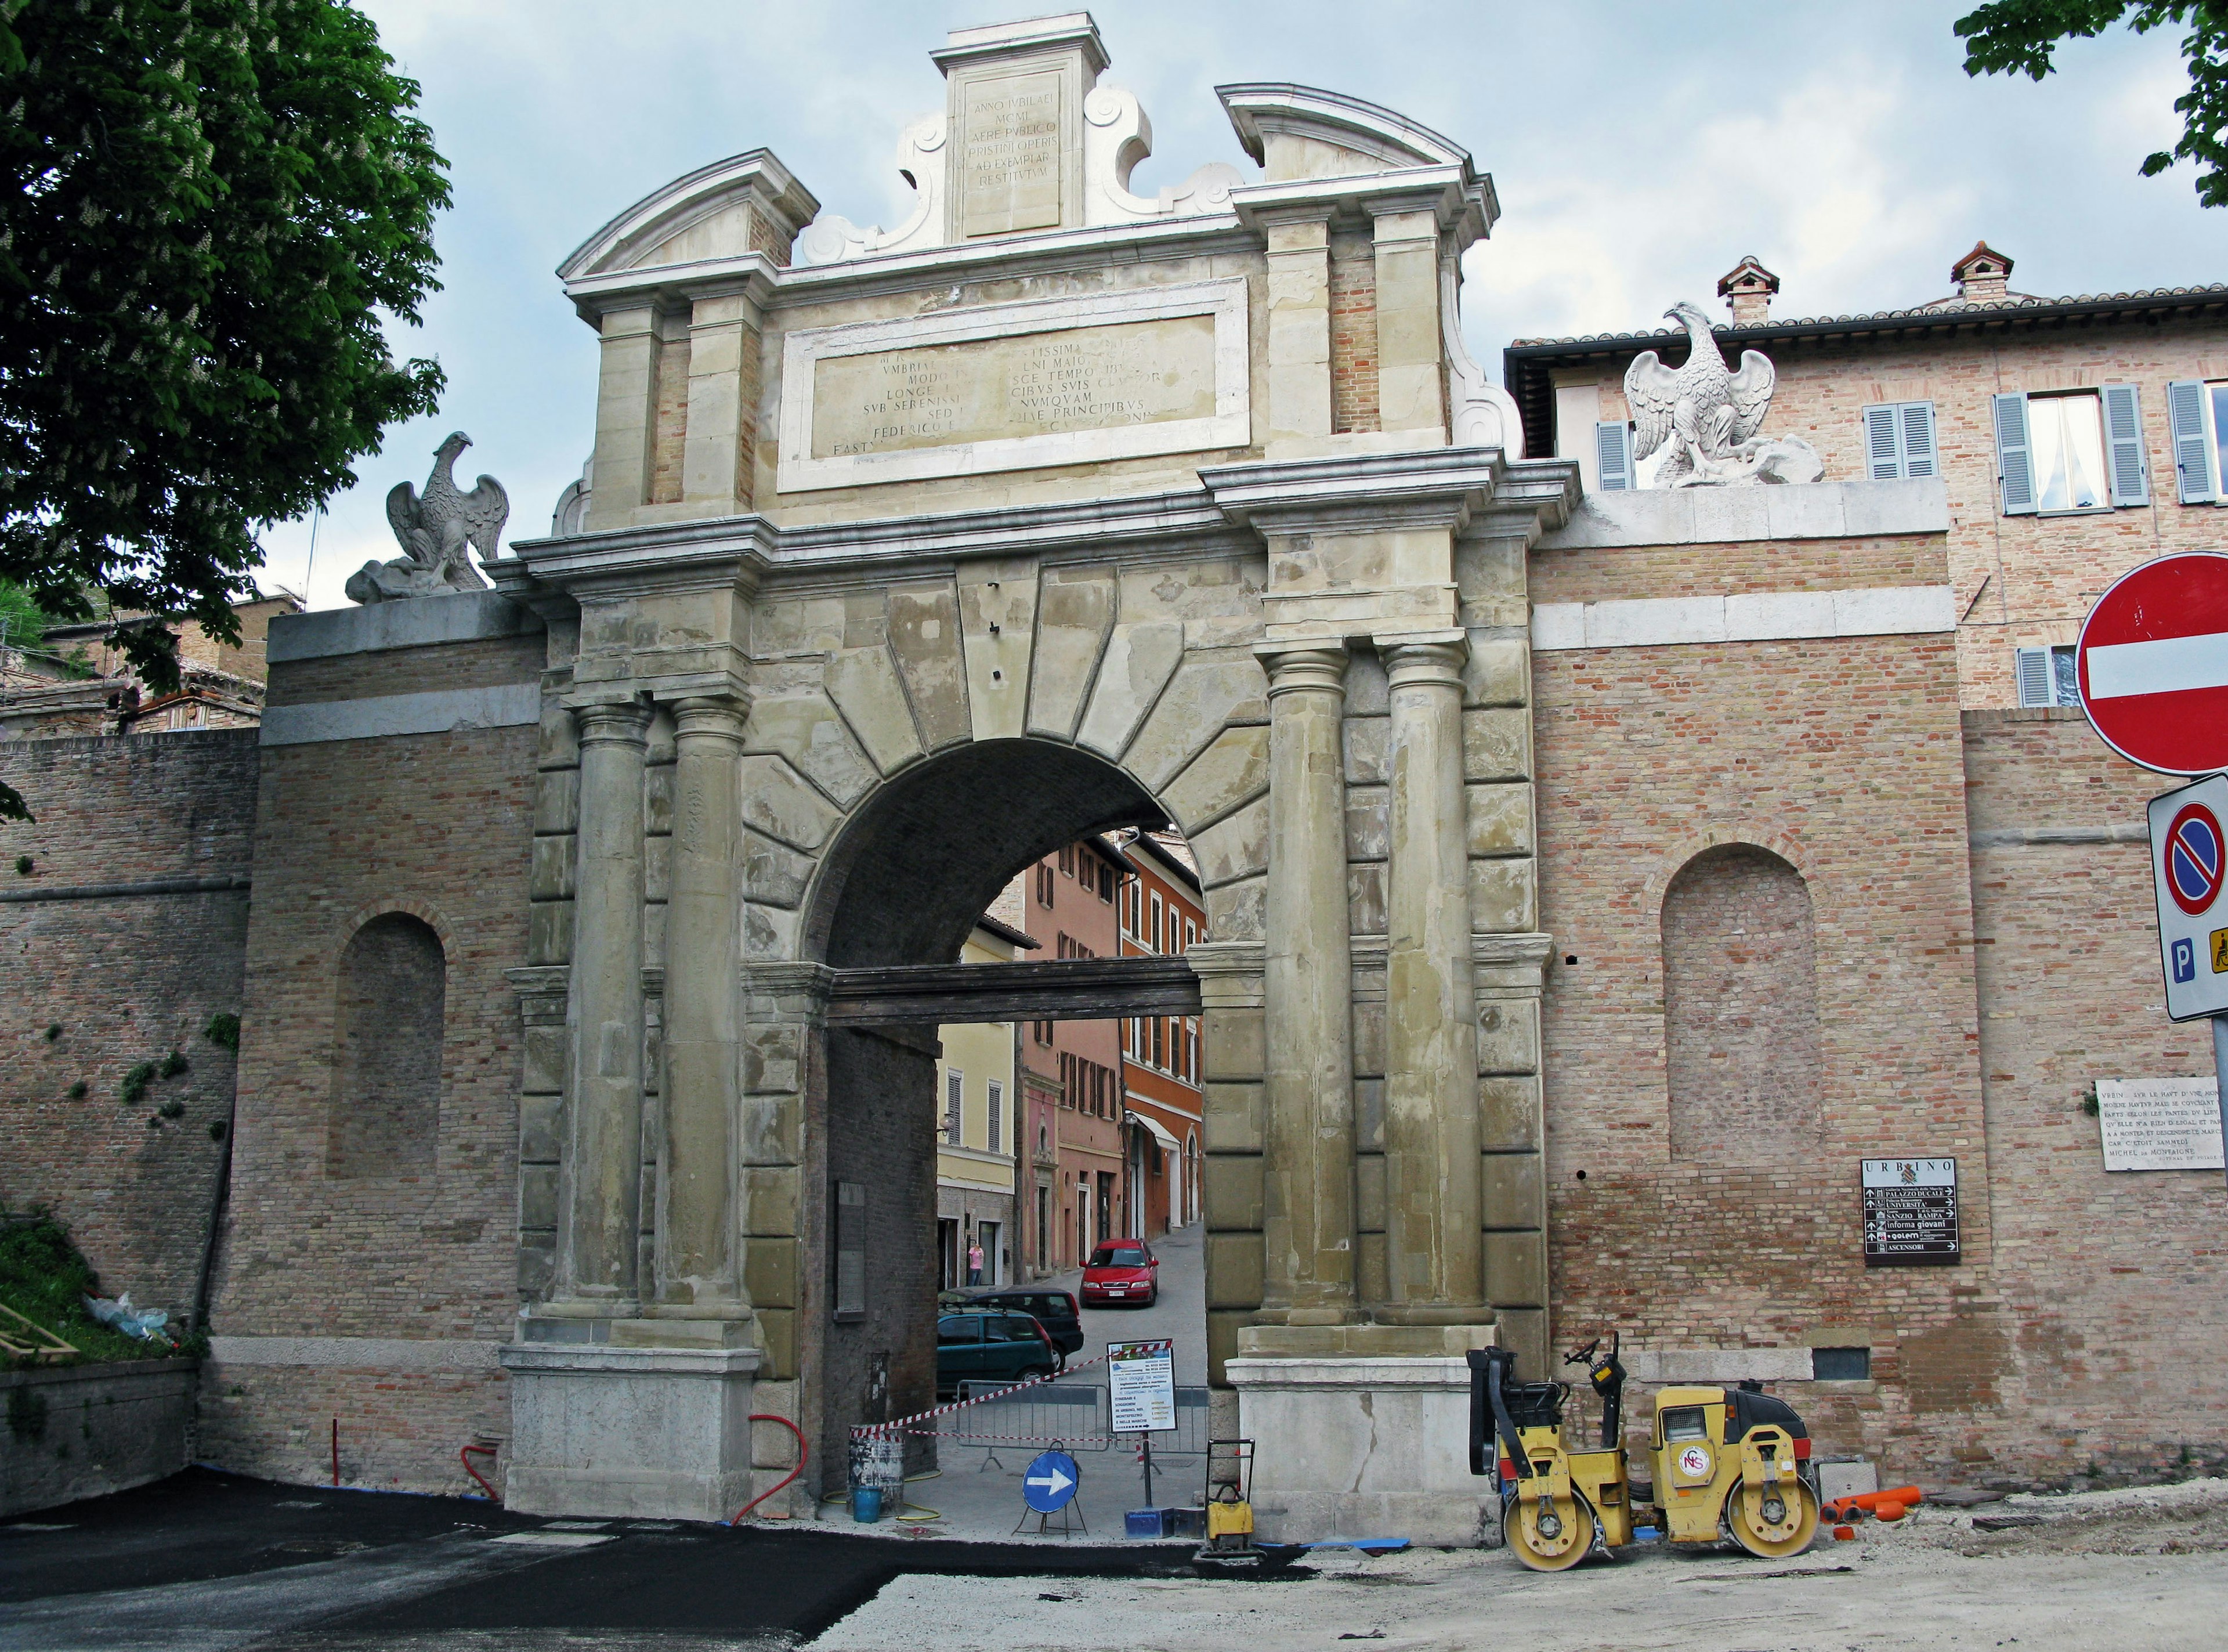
pixel 171 1109
pixel 23 864
pixel 77 1092
pixel 2020 37
pixel 173 1065
pixel 217 1128
pixel 206 212
pixel 223 1031
pixel 54 1031
pixel 43 1278
pixel 134 1089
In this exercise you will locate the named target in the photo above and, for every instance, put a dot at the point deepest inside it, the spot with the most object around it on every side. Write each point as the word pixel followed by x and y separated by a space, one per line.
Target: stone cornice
pixel 1457 205
pixel 1436 486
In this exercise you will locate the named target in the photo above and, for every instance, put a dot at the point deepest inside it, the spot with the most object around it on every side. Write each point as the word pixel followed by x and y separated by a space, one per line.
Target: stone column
pixel 1307 981
pixel 599 1244
pixel 696 1226
pixel 1434 1246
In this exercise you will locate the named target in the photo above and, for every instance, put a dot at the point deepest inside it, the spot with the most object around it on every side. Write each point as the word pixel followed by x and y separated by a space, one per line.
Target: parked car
pixel 975 1346
pixel 1055 1310
pixel 1122 1270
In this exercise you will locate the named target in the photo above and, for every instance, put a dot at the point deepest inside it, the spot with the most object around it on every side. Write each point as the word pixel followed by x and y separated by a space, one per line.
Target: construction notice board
pixel 1911 1213
pixel 1141 1380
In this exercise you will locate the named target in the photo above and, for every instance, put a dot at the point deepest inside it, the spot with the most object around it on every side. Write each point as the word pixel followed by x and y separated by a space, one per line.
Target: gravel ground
pixel 2135 1569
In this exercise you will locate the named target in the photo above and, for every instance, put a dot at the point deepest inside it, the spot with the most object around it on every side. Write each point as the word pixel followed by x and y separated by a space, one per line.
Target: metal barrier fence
pixel 1077 1414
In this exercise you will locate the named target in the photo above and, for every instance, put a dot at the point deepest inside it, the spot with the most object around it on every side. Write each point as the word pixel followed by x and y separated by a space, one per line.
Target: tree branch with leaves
pixel 209 213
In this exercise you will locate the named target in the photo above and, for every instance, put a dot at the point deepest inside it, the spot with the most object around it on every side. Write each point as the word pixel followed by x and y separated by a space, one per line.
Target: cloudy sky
pixel 1639 149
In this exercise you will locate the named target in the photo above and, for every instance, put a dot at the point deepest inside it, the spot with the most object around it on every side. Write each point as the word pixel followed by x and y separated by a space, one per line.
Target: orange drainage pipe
pixel 464 1458
pixel 768 1417
pixel 1870 1502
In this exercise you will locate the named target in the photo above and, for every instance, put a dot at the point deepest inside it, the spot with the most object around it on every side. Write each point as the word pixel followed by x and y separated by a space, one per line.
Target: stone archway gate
pixel 1305 645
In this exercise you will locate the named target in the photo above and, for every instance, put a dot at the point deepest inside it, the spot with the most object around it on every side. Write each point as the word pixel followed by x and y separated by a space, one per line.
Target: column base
pixel 1372 1341
pixel 1358 1446
pixel 627 1428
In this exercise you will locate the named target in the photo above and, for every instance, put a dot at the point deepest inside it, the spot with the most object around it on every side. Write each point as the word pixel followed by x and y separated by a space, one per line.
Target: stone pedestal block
pixel 1362 1447
pixel 602 1429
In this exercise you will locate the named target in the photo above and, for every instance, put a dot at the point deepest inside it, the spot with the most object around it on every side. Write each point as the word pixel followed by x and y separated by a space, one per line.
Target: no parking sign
pixel 2189 865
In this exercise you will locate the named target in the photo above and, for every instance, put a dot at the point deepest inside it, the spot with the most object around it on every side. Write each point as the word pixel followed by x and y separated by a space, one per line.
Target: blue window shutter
pixel 2035 688
pixel 2193 460
pixel 1613 448
pixel 2123 435
pixel 1919 457
pixel 1883 451
pixel 2015 459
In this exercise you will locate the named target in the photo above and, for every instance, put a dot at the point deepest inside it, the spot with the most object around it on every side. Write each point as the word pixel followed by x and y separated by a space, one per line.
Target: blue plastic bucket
pixel 866 1504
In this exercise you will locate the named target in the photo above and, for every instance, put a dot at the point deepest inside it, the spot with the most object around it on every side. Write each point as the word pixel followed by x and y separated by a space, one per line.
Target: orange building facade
pixel 1161 914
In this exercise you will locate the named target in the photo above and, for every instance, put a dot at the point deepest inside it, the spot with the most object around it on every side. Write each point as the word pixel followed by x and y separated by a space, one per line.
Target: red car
pixel 1120 1270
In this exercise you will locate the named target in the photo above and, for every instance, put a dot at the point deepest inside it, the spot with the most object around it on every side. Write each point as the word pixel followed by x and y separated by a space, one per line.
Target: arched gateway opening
pixel 903 887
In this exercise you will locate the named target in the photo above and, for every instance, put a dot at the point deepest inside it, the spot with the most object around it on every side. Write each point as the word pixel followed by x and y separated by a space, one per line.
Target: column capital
pixel 613 722
pixel 713 716
pixel 1425 658
pixel 1316 664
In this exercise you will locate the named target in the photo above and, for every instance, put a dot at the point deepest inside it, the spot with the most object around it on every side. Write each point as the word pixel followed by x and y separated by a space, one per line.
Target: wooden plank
pixel 1064 989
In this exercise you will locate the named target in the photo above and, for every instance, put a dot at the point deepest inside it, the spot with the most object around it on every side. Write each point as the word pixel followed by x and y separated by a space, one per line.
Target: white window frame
pixel 2043 675
pixel 2123 457
pixel 2209 395
pixel 1153 935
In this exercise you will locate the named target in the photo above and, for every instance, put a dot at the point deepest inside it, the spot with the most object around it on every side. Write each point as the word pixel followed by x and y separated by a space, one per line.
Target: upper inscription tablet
pixel 1035 384
pixel 1010 154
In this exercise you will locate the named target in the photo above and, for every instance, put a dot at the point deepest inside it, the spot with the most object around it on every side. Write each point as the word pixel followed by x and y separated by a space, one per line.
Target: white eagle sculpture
pixel 1710 414
pixel 435 529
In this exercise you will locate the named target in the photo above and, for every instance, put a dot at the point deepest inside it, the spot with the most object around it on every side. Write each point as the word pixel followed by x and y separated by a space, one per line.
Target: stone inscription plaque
pixel 1030 384
pixel 1911 1213
pixel 1009 154
pixel 2160 1123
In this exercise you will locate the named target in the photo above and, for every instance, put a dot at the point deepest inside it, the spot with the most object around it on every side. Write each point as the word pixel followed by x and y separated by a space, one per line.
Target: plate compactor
pixel 1727 1463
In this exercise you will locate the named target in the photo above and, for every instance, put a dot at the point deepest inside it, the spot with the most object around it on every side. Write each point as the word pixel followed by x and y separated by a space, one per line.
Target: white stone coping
pixel 440 711
pixel 364 1353
pixel 1348 1371
pixel 1230 425
pixel 1721 516
pixel 409 622
pixel 625 1360
pixel 1752 617
pixel 1719 1365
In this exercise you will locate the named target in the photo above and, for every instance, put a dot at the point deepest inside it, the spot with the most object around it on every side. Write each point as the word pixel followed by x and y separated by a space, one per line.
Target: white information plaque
pixel 2160 1123
pixel 1142 1385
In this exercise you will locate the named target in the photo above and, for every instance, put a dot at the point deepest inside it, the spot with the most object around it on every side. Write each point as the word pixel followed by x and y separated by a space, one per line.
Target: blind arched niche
pixel 1740 1010
pixel 387 1056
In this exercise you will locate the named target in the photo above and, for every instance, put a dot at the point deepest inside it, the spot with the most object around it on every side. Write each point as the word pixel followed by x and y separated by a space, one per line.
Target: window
pixel 994 1140
pixel 1900 440
pixel 1043 1032
pixel 1107 882
pixel 2077 450
pixel 1191 934
pixel 1159 1050
pixel 1613 449
pixel 2046 677
pixel 954 1096
pixel 2198 415
pixel 1043 884
pixel 390 1012
pixel 1153 937
pixel 1068 860
pixel 1191 1050
pixel 1842 1365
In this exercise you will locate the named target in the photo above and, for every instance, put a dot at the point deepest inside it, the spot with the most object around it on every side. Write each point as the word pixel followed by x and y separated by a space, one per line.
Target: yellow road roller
pixel 1727 1464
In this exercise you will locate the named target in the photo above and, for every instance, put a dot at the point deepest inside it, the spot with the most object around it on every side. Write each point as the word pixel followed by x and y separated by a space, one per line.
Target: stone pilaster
pixel 1410 373
pixel 1299 386
pixel 723 380
pixel 1307 978
pixel 697 1226
pixel 626 416
pixel 598 1240
pixel 1433 1189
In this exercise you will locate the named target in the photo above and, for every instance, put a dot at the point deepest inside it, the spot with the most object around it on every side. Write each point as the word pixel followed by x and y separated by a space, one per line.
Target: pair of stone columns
pixel 698 1274
pixel 1435 1260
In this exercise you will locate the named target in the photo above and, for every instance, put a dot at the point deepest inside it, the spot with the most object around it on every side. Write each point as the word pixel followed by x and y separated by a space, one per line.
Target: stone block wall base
pixel 1349 1447
pixel 660 1433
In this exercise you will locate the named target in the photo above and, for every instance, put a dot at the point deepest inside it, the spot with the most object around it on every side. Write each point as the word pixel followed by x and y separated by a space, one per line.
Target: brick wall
pixel 123 979
pixel 1844 758
pixel 1352 331
pixel 2114 1281
pixel 438 828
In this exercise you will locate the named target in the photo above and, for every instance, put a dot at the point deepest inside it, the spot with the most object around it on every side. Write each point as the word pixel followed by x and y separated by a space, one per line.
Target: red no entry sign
pixel 2152 664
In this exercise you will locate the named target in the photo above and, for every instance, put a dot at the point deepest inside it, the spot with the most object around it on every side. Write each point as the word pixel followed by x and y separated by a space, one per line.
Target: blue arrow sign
pixel 1049 1483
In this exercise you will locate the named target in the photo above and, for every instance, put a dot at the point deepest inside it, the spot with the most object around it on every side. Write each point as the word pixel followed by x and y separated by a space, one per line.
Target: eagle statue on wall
pixel 435 529
pixel 1709 414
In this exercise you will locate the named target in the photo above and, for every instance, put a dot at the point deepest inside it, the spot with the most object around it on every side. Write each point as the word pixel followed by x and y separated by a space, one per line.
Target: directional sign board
pixel 2152 664
pixel 1911 1213
pixel 1141 1379
pixel 1048 1483
pixel 2189 864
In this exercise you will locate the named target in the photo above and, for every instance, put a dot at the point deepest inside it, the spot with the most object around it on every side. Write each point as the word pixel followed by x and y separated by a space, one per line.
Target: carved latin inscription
pixel 1010 157
pixel 1032 384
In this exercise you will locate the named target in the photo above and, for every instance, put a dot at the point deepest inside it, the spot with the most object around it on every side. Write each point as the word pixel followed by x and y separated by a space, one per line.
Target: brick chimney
pixel 1983 275
pixel 1748 287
